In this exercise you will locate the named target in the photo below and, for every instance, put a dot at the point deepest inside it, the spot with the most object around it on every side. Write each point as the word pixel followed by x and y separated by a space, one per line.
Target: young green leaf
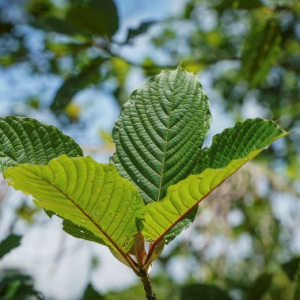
pixel 24 140
pixel 229 151
pixel 90 195
pixel 260 51
pixel 160 132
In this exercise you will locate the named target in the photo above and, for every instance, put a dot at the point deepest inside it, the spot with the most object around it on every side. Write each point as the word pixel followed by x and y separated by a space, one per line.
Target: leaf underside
pixel 160 132
pixel 24 140
pixel 96 202
pixel 229 151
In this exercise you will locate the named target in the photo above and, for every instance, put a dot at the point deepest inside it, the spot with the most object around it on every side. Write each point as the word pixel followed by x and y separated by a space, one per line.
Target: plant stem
pixel 150 295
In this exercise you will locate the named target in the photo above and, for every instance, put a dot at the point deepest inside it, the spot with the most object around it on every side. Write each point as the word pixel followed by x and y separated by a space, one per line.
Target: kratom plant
pixel 158 175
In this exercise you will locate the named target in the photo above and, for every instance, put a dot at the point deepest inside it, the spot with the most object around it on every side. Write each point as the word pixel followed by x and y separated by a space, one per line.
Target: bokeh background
pixel 75 68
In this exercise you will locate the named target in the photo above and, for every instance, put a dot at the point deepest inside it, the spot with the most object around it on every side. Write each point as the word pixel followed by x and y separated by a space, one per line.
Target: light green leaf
pixel 90 195
pixel 24 140
pixel 229 151
pixel 160 132
pixel 260 51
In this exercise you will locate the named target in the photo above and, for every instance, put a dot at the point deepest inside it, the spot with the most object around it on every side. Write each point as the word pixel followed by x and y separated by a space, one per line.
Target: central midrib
pixel 166 142
pixel 89 218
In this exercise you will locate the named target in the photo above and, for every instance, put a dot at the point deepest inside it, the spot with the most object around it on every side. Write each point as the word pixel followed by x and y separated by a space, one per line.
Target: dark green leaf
pixel 95 17
pixel 291 267
pixel 16 286
pixel 89 74
pixel 260 287
pixel 260 51
pixel 24 140
pixel 239 4
pixel 203 292
pixel 91 294
pixel 141 29
pixel 10 243
pixel 54 24
pixel 160 132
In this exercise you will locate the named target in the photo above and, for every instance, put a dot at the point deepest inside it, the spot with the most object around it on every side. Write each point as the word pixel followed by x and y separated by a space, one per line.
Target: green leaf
pixel 24 140
pixel 260 287
pixel 203 292
pixel 95 17
pixel 160 132
pixel 89 74
pixel 90 195
pixel 91 294
pixel 141 29
pixel 16 286
pixel 229 151
pixel 85 18
pixel 10 243
pixel 291 267
pixel 238 4
pixel 260 51
pixel 57 25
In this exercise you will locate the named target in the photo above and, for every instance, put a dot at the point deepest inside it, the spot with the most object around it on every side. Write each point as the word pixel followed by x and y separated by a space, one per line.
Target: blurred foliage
pixel 16 286
pixel 250 51
pixel 11 242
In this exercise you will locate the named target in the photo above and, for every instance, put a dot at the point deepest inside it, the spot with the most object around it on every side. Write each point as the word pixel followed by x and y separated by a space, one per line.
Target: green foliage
pixel 91 294
pixel 260 51
pixel 86 18
pixel 291 267
pixel 160 132
pixel 141 29
pixel 239 4
pixel 229 151
pixel 159 138
pixel 10 243
pixel 88 75
pixel 203 292
pixel 90 195
pixel 16 286
pixel 260 287
pixel 56 39
pixel 94 17
pixel 25 140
